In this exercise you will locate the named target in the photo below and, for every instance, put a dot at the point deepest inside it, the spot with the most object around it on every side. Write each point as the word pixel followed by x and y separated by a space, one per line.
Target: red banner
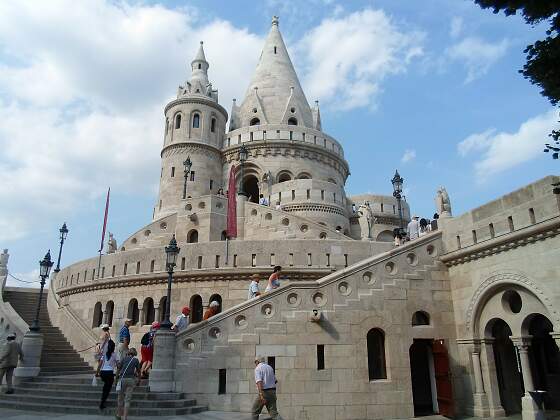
pixel 105 220
pixel 232 205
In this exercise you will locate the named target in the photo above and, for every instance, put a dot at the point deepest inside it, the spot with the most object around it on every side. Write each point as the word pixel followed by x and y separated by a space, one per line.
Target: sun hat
pixel 156 325
pixel 214 304
pixel 105 327
pixel 186 310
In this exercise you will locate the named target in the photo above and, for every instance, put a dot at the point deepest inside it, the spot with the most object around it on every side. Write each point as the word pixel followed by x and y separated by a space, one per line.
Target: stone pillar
pixel 490 378
pixel 157 312
pixel 480 399
pixel 556 336
pixel 529 409
pixel 140 316
pixel 241 199
pixel 32 347
pixel 162 375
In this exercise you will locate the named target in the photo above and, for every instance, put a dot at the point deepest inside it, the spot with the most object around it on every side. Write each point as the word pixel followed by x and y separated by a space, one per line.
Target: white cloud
pixel 456 27
pixel 500 151
pixel 82 110
pixel 477 55
pixel 409 155
pixel 346 58
pixel 27 279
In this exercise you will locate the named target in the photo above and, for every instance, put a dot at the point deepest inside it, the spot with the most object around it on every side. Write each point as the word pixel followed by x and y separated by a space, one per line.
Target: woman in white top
pixel 274 279
pixel 106 370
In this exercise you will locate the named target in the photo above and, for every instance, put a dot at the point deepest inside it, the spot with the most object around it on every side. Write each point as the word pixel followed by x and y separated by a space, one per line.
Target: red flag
pixel 232 205
pixel 105 220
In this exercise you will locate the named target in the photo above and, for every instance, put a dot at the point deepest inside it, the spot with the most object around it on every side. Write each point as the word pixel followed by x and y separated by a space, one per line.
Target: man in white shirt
pixel 263 201
pixel 182 320
pixel 254 287
pixel 413 228
pixel 266 387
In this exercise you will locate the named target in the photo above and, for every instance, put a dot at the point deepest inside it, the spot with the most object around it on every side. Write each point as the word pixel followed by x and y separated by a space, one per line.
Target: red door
pixel 443 379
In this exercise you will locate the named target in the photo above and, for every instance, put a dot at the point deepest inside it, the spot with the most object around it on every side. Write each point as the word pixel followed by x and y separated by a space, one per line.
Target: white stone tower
pixel 194 127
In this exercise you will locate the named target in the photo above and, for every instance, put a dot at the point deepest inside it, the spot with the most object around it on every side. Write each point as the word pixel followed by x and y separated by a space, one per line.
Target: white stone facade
pixel 389 319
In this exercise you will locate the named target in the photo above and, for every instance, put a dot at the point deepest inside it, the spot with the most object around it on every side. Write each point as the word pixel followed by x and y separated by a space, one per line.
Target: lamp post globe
pixel 63 235
pixel 187 164
pixel 243 154
pixel 171 253
pixel 44 270
pixel 397 182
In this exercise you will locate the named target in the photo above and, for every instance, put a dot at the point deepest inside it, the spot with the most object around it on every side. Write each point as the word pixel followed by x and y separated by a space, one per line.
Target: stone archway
pixel 251 188
pixel 422 373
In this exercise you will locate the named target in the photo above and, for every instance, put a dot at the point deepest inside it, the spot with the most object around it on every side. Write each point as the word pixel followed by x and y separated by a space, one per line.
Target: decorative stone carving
pixel 443 203
pixel 366 220
pixel 111 244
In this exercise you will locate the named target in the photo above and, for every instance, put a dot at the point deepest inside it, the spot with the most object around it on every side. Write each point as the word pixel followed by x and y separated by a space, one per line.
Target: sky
pixel 430 88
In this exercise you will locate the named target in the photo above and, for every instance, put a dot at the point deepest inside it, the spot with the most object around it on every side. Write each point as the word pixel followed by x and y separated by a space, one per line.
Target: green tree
pixel 543 57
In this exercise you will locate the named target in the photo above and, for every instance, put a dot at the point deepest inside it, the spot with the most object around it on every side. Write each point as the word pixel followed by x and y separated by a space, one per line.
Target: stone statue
pixel 111 244
pixel 366 220
pixel 267 179
pixel 4 256
pixel 209 89
pixel 443 203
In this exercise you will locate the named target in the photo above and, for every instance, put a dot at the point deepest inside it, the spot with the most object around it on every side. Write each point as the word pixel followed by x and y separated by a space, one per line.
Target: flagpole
pixel 103 232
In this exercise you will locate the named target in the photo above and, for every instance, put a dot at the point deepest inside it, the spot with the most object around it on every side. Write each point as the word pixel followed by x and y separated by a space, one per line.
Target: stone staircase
pixel 65 382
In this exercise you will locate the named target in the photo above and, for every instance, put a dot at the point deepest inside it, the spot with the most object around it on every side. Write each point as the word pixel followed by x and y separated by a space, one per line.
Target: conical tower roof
pixel 275 92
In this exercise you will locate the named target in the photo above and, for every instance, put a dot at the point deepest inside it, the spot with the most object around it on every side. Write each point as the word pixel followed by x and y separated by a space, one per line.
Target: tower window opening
pixel 320 357
pixel 178 121
pixel 199 66
pixel 291 135
pixel 292 121
pixel 255 121
pixel 211 184
pixel 274 50
pixel 196 121
pixel 172 171
pixel 192 175
pixel 491 229
pixel 213 125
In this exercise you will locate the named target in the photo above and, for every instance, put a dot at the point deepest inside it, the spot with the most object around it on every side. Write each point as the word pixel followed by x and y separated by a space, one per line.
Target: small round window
pixel 512 300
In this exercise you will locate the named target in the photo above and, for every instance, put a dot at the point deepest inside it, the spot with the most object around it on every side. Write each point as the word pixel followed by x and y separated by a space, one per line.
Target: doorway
pixel 423 378
pixel 510 382
pixel 251 188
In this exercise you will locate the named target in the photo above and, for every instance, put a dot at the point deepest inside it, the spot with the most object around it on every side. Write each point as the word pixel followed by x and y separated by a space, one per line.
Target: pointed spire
pixel 275 77
pixel 317 117
pixel 200 54
pixel 199 83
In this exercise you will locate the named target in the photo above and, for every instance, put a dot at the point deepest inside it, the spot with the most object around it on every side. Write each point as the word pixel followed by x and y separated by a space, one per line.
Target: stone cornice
pixel 175 147
pixel 531 234
pixel 196 100
pixel 136 280
pixel 290 148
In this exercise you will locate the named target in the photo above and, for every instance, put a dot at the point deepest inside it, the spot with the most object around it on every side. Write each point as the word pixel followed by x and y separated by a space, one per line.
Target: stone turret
pixel 194 127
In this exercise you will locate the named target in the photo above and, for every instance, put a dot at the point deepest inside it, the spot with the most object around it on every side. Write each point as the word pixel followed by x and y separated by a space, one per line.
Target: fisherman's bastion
pixel 464 320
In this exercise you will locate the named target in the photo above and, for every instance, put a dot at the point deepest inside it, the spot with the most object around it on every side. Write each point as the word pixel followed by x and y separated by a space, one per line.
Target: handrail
pixel 328 279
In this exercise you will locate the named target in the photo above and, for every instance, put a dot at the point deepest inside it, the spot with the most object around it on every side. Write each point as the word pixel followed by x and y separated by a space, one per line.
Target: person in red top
pixel 147 349
pixel 212 310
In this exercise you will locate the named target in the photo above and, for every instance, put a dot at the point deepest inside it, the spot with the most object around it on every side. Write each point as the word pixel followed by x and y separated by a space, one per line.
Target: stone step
pixel 88 391
pixel 76 409
pixel 94 399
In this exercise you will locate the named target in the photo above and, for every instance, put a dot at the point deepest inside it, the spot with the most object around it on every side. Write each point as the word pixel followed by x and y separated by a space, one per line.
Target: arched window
pixel 213 125
pixel 255 121
pixel 218 299
pixel 166 125
pixel 192 237
pixel 97 315
pixel 133 312
pixel 162 308
pixel 376 354
pixel 420 318
pixel 292 121
pixel 196 121
pixel 284 176
pixel 109 309
pixel 178 121
pixel 199 66
pixel 149 311
pixel 196 309
pixel 304 175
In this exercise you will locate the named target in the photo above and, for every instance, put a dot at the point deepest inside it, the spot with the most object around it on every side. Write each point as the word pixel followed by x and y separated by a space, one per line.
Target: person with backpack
pixel 106 370
pixel 129 377
pixel 147 349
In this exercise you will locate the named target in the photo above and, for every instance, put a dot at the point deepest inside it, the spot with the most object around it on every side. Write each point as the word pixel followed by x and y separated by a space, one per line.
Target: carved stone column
pixel 162 376
pixel 157 312
pixel 529 409
pixel 490 378
pixel 480 399
pixel 140 315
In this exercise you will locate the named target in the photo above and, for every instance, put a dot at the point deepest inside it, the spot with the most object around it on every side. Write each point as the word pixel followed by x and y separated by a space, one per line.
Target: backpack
pixel 145 339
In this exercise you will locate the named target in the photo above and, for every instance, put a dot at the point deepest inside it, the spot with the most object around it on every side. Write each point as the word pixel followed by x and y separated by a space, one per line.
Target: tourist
pixel 129 377
pixel 124 339
pixel 107 371
pixel 413 228
pixel 9 355
pixel 278 206
pixel 434 222
pixel 266 387
pixel 103 341
pixel 274 279
pixel 353 208
pixel 182 320
pixel 397 236
pixel 212 310
pixel 263 201
pixel 254 286
pixel 147 349
pixel 424 227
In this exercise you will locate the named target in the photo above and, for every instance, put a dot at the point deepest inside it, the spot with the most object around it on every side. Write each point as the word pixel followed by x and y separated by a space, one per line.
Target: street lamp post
pixel 187 164
pixel 243 153
pixel 63 234
pixel 45 268
pixel 397 182
pixel 171 253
